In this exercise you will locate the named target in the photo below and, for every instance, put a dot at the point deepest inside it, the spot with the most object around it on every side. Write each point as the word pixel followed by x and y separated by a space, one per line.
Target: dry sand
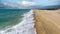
pixel 47 21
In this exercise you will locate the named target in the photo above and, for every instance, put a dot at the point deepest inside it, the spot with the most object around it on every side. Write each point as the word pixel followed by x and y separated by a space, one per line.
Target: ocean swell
pixel 24 27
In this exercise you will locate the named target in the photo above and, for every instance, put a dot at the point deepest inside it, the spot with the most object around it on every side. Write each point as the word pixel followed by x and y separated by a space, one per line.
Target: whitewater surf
pixel 26 26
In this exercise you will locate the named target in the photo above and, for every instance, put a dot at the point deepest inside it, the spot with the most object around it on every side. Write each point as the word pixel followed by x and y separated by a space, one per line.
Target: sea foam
pixel 24 27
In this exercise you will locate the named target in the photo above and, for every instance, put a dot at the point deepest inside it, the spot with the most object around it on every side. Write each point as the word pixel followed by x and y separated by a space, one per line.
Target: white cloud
pixel 5 3
pixel 9 5
pixel 27 3
pixel 22 4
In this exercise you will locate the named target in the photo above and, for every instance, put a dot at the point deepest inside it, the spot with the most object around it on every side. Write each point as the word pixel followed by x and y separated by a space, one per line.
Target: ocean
pixel 10 17
pixel 17 21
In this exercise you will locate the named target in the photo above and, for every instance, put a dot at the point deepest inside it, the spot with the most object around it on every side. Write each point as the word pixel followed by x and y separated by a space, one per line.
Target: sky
pixel 18 2
pixel 47 2
pixel 26 3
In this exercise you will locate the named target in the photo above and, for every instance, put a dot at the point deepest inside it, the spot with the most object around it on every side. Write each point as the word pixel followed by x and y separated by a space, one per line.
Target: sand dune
pixel 47 21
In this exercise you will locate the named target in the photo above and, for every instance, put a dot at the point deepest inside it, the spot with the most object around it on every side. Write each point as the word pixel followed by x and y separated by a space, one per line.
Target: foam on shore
pixel 24 27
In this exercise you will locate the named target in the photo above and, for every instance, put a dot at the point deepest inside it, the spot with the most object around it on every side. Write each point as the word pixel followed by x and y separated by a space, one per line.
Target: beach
pixel 47 21
pixel 37 22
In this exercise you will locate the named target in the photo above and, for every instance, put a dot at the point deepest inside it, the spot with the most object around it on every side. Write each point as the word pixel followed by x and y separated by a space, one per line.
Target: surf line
pixel 24 27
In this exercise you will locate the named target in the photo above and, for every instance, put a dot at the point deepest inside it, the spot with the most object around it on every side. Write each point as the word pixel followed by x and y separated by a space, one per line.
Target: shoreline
pixel 47 21
pixel 24 27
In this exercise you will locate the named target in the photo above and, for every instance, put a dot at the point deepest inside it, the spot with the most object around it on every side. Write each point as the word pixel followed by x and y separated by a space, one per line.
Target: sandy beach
pixel 47 21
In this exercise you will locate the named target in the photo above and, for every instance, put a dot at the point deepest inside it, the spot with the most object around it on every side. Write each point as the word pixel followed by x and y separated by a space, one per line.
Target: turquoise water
pixel 10 17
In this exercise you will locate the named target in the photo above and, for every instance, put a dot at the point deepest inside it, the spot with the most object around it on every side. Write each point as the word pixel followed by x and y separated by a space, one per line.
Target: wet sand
pixel 47 21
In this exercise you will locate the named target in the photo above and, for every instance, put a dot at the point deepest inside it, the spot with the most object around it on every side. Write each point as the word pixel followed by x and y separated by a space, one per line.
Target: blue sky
pixel 37 2
pixel 26 3
pixel 17 3
pixel 47 2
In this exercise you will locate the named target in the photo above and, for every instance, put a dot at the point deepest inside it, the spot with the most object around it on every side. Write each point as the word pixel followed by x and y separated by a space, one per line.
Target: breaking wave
pixel 24 27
